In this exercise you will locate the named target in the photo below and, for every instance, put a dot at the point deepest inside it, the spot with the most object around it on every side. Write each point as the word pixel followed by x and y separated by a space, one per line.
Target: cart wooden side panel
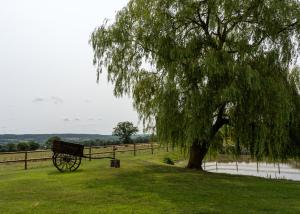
pixel 67 148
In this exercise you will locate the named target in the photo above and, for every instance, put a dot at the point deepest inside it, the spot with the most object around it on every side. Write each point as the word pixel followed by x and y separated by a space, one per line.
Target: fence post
pixel 278 164
pixel 114 152
pixel 25 167
pixel 152 148
pixel 134 149
pixel 216 165
pixel 204 164
pixel 90 152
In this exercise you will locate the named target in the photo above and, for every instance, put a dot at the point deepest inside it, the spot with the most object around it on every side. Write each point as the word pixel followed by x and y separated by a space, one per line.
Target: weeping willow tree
pixel 195 66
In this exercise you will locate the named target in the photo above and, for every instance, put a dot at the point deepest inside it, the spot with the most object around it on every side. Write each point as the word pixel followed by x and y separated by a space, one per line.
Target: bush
pixel 22 146
pixel 168 160
pixel 141 139
pixel 33 145
pixel 11 147
pixel 2 148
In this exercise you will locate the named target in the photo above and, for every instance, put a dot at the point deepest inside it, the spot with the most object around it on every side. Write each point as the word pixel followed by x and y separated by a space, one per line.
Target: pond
pixel 262 169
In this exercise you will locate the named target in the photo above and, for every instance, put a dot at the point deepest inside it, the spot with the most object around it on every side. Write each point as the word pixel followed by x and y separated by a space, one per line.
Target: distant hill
pixel 41 138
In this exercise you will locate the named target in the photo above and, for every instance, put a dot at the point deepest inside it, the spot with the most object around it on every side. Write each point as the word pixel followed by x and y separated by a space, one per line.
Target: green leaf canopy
pixel 195 66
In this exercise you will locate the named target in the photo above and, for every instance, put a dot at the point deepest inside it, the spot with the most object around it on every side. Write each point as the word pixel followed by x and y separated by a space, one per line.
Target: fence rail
pixel 89 153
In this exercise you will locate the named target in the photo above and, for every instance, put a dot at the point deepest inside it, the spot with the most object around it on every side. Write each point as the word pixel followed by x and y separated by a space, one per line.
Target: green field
pixel 143 184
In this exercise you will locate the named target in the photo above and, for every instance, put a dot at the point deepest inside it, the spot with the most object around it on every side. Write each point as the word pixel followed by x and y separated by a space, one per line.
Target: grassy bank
pixel 143 184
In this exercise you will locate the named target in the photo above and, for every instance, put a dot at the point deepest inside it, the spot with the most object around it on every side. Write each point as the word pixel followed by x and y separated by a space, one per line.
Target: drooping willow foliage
pixel 195 66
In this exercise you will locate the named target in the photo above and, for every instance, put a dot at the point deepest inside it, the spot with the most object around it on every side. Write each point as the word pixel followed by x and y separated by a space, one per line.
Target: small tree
pixel 22 146
pixel 33 145
pixel 2 148
pixel 11 147
pixel 124 130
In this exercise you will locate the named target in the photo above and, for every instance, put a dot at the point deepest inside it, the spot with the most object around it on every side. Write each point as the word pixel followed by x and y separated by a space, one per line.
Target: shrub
pixel 168 160
pixel 33 145
pixel 22 146
pixel 2 148
pixel 11 147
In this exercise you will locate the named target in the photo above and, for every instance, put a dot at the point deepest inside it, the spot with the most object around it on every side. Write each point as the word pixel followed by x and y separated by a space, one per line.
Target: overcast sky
pixel 47 79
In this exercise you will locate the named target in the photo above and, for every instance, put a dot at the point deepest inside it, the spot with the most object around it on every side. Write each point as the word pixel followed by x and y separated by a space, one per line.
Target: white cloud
pixel 56 100
pixel 38 100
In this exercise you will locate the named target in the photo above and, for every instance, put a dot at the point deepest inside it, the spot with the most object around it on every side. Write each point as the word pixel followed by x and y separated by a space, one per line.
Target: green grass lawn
pixel 143 184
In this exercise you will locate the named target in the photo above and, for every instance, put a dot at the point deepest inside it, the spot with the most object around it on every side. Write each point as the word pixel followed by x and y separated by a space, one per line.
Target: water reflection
pixel 266 170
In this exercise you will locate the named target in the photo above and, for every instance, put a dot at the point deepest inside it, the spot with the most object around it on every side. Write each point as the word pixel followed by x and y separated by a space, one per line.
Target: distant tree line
pixel 100 142
pixel 20 146
pixel 32 145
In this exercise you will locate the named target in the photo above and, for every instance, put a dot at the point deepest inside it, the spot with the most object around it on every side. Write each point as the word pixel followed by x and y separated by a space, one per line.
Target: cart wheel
pixel 65 162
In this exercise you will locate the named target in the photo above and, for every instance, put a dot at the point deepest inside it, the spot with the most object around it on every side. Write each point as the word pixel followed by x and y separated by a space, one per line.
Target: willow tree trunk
pixel 197 154
pixel 199 148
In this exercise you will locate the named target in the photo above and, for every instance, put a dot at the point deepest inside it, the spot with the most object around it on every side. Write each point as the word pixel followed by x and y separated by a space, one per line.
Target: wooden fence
pixel 89 153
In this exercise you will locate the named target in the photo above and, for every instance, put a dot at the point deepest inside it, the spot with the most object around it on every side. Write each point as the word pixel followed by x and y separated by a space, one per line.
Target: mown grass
pixel 143 184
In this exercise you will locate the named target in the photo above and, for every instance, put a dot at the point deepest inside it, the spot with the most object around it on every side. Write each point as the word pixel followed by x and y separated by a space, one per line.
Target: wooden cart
pixel 67 156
